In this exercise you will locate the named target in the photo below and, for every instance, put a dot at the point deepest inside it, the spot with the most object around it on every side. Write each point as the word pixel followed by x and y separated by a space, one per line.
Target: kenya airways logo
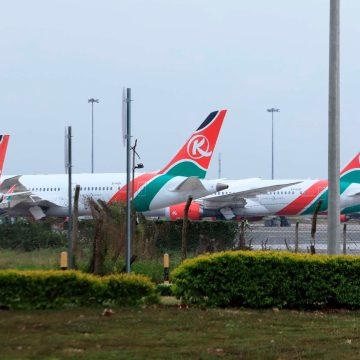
pixel 198 147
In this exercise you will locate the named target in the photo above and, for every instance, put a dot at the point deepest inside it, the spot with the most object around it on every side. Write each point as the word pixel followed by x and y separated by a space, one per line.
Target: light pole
pixel 92 101
pixel 334 131
pixel 272 110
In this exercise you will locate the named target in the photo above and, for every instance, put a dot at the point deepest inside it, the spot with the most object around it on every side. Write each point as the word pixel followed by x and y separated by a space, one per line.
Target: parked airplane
pixel 4 140
pixel 46 195
pixel 256 198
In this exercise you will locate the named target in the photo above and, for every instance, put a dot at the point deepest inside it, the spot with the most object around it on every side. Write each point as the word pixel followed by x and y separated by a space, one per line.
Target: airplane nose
pixel 220 187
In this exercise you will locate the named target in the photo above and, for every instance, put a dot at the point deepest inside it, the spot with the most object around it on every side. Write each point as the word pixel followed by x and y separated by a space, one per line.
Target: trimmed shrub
pixel 123 289
pixel 269 279
pixel 164 290
pixel 53 289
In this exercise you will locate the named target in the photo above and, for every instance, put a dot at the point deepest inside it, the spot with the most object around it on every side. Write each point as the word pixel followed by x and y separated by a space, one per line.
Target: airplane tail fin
pixel 194 157
pixel 4 140
pixel 351 172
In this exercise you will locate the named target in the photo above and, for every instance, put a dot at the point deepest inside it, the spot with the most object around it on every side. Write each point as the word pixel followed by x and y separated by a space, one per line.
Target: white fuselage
pixel 247 198
pixel 50 192
pixel 297 199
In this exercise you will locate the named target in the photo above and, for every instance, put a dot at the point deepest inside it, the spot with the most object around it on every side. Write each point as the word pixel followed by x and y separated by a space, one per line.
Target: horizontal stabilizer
pixel 354 194
pixel 9 183
pixel 191 183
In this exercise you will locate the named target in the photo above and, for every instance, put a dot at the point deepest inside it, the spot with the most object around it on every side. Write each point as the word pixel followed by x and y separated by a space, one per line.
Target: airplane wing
pixel 238 199
pixel 35 205
pixel 15 195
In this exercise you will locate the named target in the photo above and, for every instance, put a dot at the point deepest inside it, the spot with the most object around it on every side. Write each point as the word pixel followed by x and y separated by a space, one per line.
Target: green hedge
pixel 268 279
pixel 28 236
pixel 53 289
pixel 164 289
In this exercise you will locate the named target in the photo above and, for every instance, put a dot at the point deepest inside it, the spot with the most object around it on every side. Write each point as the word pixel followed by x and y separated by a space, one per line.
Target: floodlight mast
pixel 272 110
pixel 128 173
pixel 92 101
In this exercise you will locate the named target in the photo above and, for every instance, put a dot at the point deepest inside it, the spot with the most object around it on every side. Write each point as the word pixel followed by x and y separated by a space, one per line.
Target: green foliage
pixel 28 236
pixel 268 279
pixel 151 268
pixel 53 289
pixel 164 290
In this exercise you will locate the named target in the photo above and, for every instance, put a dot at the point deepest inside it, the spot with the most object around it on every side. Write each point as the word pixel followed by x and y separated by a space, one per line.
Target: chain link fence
pixel 296 237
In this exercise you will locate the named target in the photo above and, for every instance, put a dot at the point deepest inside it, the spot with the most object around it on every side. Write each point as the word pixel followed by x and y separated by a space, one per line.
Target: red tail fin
pixel 4 139
pixel 352 165
pixel 194 157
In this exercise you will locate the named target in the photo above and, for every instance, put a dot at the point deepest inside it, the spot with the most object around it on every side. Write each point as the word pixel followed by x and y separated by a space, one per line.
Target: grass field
pixel 43 259
pixel 168 332
pixel 46 259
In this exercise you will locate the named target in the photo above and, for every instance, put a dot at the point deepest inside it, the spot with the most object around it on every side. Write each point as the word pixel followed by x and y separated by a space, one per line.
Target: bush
pixel 164 289
pixel 53 289
pixel 30 236
pixel 267 279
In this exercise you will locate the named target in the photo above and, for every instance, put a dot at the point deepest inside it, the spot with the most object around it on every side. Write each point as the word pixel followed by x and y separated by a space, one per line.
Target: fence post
pixel 297 236
pixel 242 235
pixel 313 226
pixel 184 229
pixel 166 269
pixel 344 239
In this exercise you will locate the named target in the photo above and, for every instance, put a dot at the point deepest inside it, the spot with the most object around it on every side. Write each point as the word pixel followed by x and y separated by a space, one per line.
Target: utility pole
pixel 272 110
pixel 128 183
pixel 69 167
pixel 92 101
pixel 334 130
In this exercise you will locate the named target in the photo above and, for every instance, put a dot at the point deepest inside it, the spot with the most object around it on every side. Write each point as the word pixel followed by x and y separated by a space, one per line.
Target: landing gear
pixel 281 221
pixel 284 221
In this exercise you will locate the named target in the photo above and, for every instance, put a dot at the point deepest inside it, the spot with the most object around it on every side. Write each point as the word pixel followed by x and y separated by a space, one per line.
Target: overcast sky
pixel 182 60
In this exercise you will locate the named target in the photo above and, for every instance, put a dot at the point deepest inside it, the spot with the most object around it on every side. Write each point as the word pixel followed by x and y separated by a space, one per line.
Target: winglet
pixel 4 140
pixel 194 157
